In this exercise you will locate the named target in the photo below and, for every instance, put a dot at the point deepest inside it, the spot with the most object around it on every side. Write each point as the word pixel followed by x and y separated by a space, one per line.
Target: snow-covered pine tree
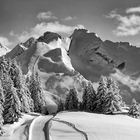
pixel 101 94
pixel 21 87
pixel 2 99
pixel 12 103
pixel 113 100
pixel 134 109
pixel 71 102
pixel 109 99
pixel 4 65
pixel 36 92
pixel 85 98
pixel 89 97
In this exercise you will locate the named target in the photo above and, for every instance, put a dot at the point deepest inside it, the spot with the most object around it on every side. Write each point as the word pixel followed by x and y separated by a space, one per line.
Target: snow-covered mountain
pixel 48 56
pixel 93 57
pixel 20 48
pixel 3 50
pixel 63 63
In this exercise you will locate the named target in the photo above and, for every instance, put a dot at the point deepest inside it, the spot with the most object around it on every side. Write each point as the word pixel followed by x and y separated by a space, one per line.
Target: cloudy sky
pixel 116 20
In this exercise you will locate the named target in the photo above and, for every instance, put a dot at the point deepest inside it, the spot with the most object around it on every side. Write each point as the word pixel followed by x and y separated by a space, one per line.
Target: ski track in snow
pixel 73 126
pixel 36 130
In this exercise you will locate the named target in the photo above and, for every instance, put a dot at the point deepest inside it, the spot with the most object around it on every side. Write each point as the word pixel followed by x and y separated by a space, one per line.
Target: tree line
pixel 106 99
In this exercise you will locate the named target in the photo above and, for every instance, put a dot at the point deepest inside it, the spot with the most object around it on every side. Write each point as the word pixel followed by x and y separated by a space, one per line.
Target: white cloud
pixel 69 18
pixel 133 84
pixel 42 27
pixel 127 24
pixel 4 41
pixel 46 16
pixel 133 10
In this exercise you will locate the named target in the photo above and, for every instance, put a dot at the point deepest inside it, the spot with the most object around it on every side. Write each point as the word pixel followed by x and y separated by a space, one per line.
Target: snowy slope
pixel 74 126
pixel 96 126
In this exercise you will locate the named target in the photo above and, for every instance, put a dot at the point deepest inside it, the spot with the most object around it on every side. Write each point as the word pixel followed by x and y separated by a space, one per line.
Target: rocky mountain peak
pixel 84 33
pixel 49 37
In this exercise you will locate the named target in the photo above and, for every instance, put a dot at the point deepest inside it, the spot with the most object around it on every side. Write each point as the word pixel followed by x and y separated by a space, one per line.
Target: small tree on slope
pixel 134 109
pixel 12 103
pixel 71 102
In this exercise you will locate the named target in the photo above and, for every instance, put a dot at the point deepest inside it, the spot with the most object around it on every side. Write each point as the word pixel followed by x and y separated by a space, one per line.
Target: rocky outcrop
pixel 20 48
pixel 30 42
pixel 49 37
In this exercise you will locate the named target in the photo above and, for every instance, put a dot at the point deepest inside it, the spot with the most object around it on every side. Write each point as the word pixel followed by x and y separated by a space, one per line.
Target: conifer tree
pixel 109 99
pixel 21 87
pixel 89 97
pixel 36 92
pixel 4 64
pixel 2 99
pixel 84 99
pixel 12 103
pixel 134 110
pixel 101 93
pixel 71 102
pixel 113 95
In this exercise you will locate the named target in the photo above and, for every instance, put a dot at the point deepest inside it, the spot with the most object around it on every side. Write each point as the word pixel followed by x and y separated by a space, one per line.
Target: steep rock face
pixel 20 48
pixel 93 57
pixel 123 52
pixel 91 51
pixel 28 58
pixel 30 42
pixel 88 56
pixel 3 50
pixel 38 51
pixel 54 61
